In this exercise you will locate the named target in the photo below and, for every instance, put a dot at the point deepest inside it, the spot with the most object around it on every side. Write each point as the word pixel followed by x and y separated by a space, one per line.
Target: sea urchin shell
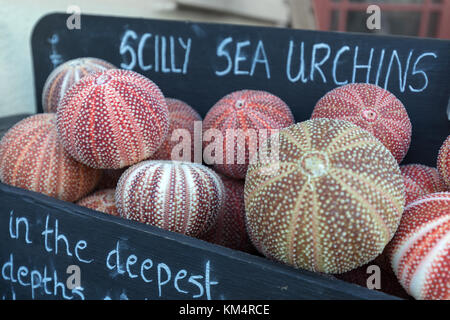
pixel 230 230
pixel 32 158
pixel 102 200
pixel 182 197
pixel 329 202
pixel 241 114
pixel 420 249
pixel 420 180
pixel 181 116
pixel 112 119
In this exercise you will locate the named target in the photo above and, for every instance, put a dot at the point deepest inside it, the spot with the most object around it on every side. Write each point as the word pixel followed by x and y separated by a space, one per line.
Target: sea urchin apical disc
pixel 112 119
pixel 372 108
pixel 420 249
pixel 32 158
pixel 182 197
pixel 329 202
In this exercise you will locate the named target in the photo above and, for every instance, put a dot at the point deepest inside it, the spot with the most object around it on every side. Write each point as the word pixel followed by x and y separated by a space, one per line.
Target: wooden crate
pixel 210 271
pixel 98 243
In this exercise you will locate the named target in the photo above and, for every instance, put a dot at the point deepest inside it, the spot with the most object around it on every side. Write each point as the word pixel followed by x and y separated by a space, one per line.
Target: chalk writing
pixel 159 274
pixel 51 232
pixel 237 62
pixel 346 65
pixel 44 280
pixel 316 66
pixel 55 57
pixel 424 75
pixel 41 281
pixel 357 66
pixel 305 62
pixel 51 243
pixel 167 54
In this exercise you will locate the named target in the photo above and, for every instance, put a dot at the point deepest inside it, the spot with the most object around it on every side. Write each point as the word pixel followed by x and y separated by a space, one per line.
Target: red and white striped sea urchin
pixel 372 108
pixel 230 230
pixel 32 158
pixel 102 200
pixel 113 119
pixel 245 112
pixel 444 162
pixel 420 249
pixel 183 197
pixel 181 116
pixel 420 180
pixel 65 75
pixel 330 202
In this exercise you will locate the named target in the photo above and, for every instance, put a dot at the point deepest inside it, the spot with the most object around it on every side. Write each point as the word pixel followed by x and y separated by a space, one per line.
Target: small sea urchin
pixel 31 157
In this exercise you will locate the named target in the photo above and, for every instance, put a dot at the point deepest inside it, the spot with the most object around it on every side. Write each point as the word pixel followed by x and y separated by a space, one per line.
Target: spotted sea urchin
pixel 230 230
pixel 329 202
pixel 181 117
pixel 372 108
pixel 32 158
pixel 65 75
pixel 444 162
pixel 112 119
pixel 420 180
pixel 243 113
pixel 102 200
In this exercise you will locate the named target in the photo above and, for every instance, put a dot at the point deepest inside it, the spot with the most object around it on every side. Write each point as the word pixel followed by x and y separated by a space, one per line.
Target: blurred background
pixel 423 18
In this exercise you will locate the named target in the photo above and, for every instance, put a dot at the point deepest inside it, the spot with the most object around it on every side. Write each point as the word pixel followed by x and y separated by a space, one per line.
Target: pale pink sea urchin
pixel 31 157
pixel 183 197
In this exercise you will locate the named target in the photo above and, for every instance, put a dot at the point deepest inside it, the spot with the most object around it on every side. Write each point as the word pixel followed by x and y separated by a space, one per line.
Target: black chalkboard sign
pixel 200 63
pixel 44 240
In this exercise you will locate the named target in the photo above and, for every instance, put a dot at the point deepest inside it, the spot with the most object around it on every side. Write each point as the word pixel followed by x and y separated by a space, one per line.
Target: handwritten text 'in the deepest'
pixel 118 262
